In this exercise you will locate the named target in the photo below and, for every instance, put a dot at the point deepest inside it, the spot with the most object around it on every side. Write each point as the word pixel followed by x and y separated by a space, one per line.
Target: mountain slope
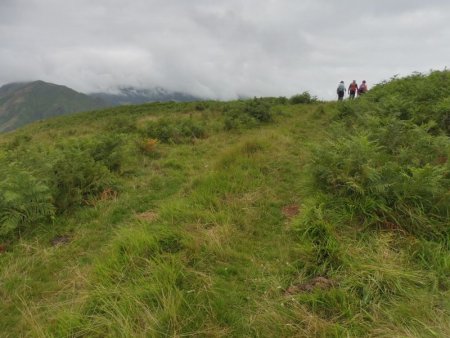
pixel 22 103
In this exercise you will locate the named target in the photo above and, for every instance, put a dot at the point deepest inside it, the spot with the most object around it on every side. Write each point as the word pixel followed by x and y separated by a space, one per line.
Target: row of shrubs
pixel 241 114
pixel 168 128
pixel 236 115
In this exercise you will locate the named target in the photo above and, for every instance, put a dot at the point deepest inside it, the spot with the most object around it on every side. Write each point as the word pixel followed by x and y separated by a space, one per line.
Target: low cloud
pixel 220 49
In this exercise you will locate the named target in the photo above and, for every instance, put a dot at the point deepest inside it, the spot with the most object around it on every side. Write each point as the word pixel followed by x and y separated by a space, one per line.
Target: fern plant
pixel 24 201
pixel 77 178
pixel 390 172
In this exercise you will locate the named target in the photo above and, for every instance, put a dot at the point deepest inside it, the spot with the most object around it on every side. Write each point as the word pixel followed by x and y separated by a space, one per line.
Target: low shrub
pixel 147 145
pixel 162 129
pixel 122 124
pixel 393 181
pixel 174 131
pixel 304 97
pixel 107 149
pixel 191 129
pixel 235 119
pixel 18 140
pixel 248 114
pixel 77 178
pixel 201 106
pixel 259 110
pixel 441 114
pixel 24 200
pixel 281 100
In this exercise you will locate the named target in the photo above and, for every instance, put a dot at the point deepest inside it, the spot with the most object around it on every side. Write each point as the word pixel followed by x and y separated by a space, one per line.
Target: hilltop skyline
pixel 220 50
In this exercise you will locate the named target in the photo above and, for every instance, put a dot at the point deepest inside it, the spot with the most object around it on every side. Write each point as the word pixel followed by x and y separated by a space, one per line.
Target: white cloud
pixel 220 49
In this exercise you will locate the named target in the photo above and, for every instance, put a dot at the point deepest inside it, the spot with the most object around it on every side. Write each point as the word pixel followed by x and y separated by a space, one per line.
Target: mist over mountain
pixel 131 95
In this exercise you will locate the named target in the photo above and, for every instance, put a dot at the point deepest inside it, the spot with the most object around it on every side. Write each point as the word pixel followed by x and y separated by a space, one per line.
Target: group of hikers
pixel 353 90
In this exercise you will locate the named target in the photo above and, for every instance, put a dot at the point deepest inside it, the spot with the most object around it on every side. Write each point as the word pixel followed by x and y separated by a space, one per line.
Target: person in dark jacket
pixel 341 91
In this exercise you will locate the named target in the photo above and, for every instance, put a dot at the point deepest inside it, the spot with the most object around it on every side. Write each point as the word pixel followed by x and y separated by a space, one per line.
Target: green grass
pixel 196 241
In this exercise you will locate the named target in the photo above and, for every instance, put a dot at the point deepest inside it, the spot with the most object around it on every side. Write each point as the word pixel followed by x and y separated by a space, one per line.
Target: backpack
pixel 362 88
pixel 353 87
pixel 341 89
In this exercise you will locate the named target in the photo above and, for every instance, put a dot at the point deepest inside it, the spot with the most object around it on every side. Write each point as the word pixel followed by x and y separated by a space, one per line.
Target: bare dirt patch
pixel 321 283
pixel 291 210
pixel 60 240
pixel 148 216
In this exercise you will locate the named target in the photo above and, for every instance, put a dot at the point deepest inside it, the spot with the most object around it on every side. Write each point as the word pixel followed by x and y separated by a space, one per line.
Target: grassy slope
pixel 196 244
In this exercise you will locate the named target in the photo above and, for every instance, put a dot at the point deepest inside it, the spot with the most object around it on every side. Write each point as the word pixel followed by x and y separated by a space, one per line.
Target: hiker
pixel 341 91
pixel 362 88
pixel 352 89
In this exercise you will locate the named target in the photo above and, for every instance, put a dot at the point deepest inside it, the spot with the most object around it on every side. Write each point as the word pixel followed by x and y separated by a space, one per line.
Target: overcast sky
pixel 221 49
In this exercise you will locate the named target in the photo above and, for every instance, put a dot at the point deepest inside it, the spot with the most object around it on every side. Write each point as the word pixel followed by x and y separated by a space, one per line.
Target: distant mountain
pixel 131 95
pixel 22 103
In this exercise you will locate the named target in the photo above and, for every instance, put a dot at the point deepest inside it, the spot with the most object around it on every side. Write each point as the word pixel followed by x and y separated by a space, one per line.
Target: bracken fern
pixel 24 201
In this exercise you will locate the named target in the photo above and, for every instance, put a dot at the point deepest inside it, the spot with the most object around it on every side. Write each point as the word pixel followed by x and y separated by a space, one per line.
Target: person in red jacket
pixel 352 89
pixel 362 88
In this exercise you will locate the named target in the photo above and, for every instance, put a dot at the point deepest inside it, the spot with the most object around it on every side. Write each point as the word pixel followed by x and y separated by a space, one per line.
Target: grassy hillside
pixel 259 218
pixel 22 103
